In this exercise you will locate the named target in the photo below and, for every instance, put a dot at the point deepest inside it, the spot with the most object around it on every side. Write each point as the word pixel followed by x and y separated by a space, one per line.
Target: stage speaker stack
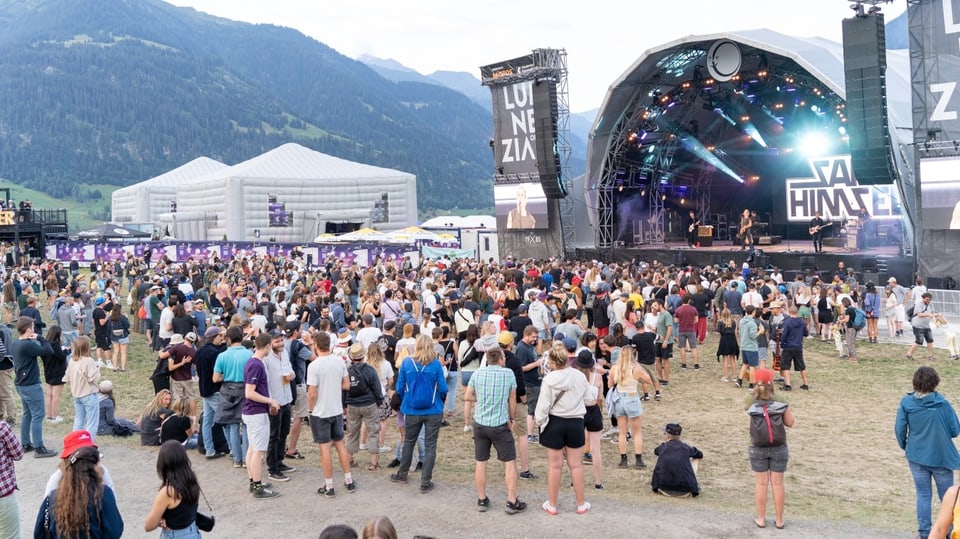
pixel 865 66
pixel 807 263
pixel 545 116
pixel 705 236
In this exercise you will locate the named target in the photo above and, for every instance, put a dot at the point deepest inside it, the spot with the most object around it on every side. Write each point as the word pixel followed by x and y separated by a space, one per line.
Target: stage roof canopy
pixel 668 114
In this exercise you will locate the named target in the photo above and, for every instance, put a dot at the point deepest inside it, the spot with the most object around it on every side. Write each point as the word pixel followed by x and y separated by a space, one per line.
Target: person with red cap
pixel 79 467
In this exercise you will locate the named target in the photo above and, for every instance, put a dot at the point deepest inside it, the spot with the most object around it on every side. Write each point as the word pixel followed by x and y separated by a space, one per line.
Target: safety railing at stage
pixel 947 302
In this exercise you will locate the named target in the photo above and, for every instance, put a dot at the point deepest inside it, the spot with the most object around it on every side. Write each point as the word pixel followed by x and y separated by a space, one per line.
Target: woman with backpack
pixel 422 388
pixel 769 414
pixel 848 319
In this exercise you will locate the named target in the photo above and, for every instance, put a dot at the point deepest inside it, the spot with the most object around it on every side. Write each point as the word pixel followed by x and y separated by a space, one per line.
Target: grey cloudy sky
pixel 602 37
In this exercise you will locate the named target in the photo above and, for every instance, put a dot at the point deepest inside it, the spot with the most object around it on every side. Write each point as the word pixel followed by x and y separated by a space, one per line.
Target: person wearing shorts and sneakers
pixel 748 328
pixel 526 352
pixel 792 333
pixel 923 315
pixel 664 342
pixel 257 405
pixel 687 318
pixel 327 379
pixel 494 389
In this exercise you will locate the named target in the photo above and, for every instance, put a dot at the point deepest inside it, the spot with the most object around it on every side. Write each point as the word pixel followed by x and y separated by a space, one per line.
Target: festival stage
pixel 875 264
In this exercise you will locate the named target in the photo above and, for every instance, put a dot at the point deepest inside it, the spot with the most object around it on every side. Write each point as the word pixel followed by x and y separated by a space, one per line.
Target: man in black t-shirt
pixel 388 342
pixel 520 322
pixel 644 343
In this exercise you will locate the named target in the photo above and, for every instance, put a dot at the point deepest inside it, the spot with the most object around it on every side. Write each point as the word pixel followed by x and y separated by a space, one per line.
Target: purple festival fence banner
pixel 182 251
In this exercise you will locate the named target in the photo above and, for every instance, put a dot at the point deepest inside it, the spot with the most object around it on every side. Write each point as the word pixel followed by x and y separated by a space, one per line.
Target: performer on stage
pixel 519 217
pixel 746 230
pixel 816 232
pixel 692 223
pixel 863 220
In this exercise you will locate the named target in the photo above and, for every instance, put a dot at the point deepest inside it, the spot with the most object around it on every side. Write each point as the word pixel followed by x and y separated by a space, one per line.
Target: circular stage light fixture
pixel 723 60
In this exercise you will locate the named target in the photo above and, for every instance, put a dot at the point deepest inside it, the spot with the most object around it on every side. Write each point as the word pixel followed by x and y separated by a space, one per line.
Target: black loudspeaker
pixel 869 265
pixel 865 66
pixel 309 260
pixel 935 283
pixel 545 115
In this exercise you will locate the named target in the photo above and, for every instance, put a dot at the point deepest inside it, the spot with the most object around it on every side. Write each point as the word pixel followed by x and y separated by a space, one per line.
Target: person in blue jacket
pixel 422 387
pixel 925 428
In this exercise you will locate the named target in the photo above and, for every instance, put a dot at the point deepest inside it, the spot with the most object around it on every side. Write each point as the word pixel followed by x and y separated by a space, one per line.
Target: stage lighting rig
pixel 859 6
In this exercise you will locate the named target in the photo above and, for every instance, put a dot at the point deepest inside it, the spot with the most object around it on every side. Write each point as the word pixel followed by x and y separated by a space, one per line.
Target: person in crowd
pixel 526 352
pixel 728 347
pixel 119 338
pixel 448 358
pixel 379 528
pixel 153 416
pixel 792 334
pixel 593 419
pixel 468 360
pixel 363 398
pixel 922 322
pixel 384 371
pixel 180 363
pixel 10 451
pixel 902 297
pixel 176 503
pixel 205 359
pixel 825 315
pixel 83 373
pixel 559 414
pixel 665 337
pixel 327 378
pixel 948 518
pixel 626 406
pixel 769 414
pixel 494 389
pixel 82 505
pixel 675 474
pixel 109 424
pixel 228 372
pixel 100 318
pixel 26 351
pixel 300 355
pixel 279 377
pixel 54 369
pixel 422 388
pixel 849 331
pixel 925 429
pixel 871 306
pixel 178 426
pixel 748 329
pixel 256 409
pixel 687 318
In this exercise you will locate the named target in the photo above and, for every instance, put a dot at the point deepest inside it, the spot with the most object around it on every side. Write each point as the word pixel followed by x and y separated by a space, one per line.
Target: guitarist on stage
pixel 746 231
pixel 816 232
pixel 692 223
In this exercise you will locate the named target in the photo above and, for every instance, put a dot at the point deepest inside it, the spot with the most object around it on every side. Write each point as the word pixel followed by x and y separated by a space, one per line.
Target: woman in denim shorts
pixel 768 460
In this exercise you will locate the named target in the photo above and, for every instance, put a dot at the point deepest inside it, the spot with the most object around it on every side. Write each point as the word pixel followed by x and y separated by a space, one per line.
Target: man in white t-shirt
pixel 751 297
pixel 327 378
pixel 369 333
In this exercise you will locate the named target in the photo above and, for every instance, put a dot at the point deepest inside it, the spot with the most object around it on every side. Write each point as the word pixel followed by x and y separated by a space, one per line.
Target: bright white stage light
pixel 814 144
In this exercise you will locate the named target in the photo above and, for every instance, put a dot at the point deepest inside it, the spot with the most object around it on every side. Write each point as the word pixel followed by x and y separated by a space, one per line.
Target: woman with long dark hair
pixel 81 505
pixel 175 506
pixel 54 367
pixel 120 338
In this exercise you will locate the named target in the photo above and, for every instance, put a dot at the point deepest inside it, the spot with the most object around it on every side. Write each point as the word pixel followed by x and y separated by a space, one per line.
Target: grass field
pixel 845 464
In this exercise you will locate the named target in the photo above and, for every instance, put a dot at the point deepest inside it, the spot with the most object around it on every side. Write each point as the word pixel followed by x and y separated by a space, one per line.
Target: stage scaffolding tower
pixel 555 61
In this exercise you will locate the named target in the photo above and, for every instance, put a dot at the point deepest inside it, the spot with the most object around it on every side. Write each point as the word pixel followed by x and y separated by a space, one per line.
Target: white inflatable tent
pixel 144 202
pixel 317 188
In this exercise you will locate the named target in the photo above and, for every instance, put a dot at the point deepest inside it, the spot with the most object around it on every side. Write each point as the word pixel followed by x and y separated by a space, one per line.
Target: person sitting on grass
pixel 110 425
pixel 675 473
pixel 179 425
pixel 153 415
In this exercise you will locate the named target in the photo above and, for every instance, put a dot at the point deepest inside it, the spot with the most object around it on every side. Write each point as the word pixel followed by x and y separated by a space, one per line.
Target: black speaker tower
pixel 865 66
pixel 545 120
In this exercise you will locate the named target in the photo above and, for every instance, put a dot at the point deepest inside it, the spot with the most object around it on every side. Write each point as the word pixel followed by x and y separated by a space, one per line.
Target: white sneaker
pixel 467 428
pixel 385 448
pixel 612 431
pixel 363 447
pixel 57 420
pixel 724 379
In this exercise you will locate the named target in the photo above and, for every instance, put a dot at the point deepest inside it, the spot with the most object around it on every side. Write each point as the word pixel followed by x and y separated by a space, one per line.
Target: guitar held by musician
pixel 816 229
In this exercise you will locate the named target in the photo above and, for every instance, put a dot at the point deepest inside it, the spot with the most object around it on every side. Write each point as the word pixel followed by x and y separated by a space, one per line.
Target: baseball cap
pixel 763 376
pixel 212 332
pixel 99 301
pixel 191 336
pixel 274 333
pixel 155 287
pixel 522 309
pixel 106 386
pixel 75 440
pixel 505 338
pixel 673 429
pixel 291 327
pixel 542 296
pixel 570 344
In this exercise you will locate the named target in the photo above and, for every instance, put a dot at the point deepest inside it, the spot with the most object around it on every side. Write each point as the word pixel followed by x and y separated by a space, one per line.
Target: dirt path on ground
pixel 448 511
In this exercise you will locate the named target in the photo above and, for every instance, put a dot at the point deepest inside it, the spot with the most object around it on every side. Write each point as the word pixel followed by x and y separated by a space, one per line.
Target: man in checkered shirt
pixel 10 450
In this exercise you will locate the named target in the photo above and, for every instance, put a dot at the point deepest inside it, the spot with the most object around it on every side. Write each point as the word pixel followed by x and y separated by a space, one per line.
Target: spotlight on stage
pixel 814 144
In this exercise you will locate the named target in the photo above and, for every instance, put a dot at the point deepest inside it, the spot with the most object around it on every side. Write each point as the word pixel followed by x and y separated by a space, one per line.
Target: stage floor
pixel 793 247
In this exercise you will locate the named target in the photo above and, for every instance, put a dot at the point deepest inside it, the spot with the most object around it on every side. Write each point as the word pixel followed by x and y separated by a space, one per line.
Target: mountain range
pixel 118 91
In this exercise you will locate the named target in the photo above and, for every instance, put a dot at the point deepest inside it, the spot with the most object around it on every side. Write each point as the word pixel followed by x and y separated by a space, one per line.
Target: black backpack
pixel 358 384
pixel 766 424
